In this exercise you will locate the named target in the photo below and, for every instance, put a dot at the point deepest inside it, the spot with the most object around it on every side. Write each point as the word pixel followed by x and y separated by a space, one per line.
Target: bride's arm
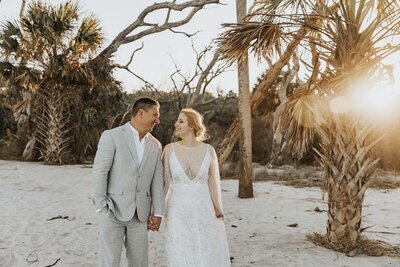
pixel 167 172
pixel 214 184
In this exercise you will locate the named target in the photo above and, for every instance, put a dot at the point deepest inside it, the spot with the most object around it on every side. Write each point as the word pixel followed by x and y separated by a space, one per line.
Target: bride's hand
pixel 219 215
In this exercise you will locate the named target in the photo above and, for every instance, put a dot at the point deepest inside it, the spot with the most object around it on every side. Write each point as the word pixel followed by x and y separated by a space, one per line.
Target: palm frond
pixel 387 7
pixel 27 78
pixel 89 36
pixel 282 6
pixel 5 69
pixel 63 19
pixel 48 22
pixel 353 38
pixel 303 114
pixel 262 38
pixel 10 35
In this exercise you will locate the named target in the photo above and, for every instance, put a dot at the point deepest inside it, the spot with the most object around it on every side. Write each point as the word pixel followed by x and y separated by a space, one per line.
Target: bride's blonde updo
pixel 196 121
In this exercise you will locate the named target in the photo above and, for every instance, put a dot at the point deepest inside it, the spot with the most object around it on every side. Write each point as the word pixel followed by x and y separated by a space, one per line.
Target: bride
pixel 195 231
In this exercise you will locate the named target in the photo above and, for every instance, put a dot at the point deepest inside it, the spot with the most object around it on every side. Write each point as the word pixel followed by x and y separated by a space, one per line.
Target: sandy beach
pixel 257 228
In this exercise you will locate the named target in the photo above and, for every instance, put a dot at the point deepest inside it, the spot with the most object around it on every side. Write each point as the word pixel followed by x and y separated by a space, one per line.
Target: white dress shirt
pixel 139 144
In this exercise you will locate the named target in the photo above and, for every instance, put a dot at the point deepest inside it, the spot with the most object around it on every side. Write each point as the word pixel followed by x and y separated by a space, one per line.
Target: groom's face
pixel 151 118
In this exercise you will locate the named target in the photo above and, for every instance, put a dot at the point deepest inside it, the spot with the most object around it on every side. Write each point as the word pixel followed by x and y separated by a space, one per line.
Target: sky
pixel 155 62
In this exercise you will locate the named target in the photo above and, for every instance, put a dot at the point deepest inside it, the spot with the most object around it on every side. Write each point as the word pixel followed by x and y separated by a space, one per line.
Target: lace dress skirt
pixel 194 236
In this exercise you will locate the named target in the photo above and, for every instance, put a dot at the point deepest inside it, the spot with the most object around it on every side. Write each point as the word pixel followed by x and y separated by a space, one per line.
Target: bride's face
pixel 182 127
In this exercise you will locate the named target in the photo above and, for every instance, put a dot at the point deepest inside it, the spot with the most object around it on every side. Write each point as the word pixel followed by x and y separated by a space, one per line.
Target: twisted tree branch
pixel 125 36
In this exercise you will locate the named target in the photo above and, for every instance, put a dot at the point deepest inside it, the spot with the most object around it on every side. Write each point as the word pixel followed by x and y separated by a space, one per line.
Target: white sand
pixel 31 193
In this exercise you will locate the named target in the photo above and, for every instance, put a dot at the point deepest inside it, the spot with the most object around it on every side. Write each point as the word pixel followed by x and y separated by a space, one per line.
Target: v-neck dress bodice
pixel 194 236
pixel 188 168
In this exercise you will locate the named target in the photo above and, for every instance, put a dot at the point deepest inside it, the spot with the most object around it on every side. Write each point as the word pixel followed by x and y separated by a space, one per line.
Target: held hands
pixel 153 223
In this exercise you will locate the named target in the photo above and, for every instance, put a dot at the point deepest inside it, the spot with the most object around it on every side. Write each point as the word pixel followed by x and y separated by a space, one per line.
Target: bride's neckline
pixel 189 147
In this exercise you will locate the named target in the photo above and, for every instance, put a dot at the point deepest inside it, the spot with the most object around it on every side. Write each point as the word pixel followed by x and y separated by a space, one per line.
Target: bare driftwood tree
pixel 206 75
pixel 141 28
pixel 196 83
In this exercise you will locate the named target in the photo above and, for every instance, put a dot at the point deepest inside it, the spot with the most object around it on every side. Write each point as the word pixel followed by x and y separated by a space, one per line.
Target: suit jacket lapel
pixel 131 143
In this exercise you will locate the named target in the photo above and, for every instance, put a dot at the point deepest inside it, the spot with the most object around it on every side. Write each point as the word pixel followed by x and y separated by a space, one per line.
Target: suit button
pixel 137 191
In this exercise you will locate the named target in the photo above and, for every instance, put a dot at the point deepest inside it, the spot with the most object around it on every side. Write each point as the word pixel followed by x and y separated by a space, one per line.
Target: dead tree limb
pixel 126 36
pixel 196 83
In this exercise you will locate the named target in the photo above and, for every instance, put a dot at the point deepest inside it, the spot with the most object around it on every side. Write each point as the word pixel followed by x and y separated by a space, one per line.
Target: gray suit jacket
pixel 120 183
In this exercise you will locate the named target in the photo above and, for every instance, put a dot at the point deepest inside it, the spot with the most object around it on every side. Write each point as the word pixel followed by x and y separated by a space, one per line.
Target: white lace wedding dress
pixel 194 236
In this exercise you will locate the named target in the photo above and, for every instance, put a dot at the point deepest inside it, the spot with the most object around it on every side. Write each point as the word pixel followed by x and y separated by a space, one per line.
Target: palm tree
pixel 245 159
pixel 265 37
pixel 355 45
pixel 46 54
pixel 347 43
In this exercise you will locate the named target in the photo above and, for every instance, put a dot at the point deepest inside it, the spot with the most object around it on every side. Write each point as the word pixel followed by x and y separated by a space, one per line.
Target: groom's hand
pixel 154 223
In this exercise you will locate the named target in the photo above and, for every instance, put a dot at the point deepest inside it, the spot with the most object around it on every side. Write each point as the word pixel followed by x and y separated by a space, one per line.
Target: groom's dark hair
pixel 144 103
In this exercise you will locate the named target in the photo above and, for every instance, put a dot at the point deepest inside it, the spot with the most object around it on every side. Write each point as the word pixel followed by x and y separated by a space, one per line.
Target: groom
pixel 128 180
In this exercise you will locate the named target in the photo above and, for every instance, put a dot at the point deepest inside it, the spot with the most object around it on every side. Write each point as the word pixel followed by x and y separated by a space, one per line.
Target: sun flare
pixel 377 103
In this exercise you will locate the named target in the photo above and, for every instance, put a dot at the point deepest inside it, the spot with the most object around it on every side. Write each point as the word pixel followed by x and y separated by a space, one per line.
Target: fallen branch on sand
pixel 317 209
pixel 53 263
pixel 59 217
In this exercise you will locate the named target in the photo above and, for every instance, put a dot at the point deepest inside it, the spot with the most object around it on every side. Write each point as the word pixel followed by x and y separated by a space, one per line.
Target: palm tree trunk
pixel 345 155
pixel 53 131
pixel 245 149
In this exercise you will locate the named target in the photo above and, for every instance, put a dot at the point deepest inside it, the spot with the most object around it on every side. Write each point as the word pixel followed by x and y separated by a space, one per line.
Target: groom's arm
pixel 101 167
pixel 157 187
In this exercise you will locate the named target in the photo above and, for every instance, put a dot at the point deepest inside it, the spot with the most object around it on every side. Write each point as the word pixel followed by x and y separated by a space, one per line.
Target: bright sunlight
pixel 372 101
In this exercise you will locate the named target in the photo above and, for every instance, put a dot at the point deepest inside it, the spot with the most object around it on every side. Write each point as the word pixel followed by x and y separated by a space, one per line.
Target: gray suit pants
pixel 114 233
